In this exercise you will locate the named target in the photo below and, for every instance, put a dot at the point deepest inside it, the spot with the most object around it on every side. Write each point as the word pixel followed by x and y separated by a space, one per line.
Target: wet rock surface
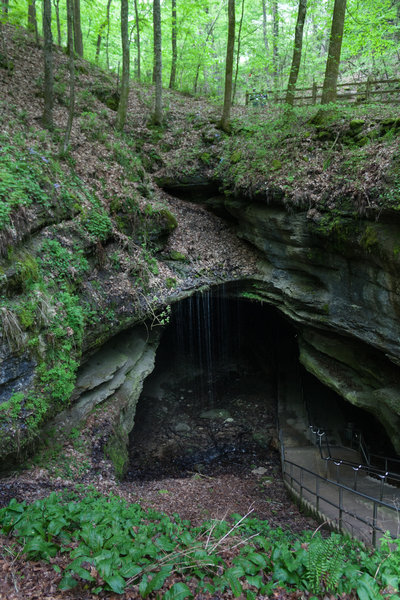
pixel 191 425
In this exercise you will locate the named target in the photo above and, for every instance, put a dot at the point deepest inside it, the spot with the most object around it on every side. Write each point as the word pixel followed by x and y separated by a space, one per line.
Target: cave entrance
pixel 209 407
pixel 210 402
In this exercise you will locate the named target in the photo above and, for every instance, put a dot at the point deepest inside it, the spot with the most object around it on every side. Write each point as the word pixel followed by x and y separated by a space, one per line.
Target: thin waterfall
pixel 203 339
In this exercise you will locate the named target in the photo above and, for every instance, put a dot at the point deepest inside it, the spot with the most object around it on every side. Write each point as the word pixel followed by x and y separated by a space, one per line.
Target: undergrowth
pixel 104 543
pixel 44 310
pixel 314 156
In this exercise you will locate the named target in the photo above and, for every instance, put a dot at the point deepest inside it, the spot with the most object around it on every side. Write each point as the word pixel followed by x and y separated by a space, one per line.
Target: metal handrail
pixel 340 507
pixel 368 468
pixel 386 459
pixel 342 488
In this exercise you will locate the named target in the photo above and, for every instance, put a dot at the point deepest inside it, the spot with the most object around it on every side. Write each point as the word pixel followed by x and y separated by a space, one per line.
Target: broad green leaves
pixel 113 546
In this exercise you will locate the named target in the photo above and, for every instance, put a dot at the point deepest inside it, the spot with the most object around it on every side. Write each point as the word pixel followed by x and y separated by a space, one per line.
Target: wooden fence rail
pixel 386 91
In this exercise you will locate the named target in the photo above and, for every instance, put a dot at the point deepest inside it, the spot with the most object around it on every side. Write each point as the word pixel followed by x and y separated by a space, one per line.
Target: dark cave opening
pixel 210 404
pixel 354 422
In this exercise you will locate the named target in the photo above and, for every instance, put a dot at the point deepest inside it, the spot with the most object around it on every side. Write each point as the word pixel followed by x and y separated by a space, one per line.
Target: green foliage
pixel 369 238
pixel 114 546
pixel 149 259
pixel 13 405
pixel 326 561
pixel 127 158
pixel 22 181
pixel 28 270
pixel 60 264
pixel 57 373
pixel 171 283
pixel 97 223
pixel 92 125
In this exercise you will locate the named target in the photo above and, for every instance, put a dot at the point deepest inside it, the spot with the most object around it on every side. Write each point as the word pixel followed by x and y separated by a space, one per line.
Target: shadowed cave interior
pixel 210 404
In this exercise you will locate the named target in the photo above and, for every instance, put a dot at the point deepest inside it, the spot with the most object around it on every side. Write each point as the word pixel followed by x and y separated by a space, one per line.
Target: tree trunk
pixel 98 45
pixel 32 21
pixel 57 9
pixel 138 75
pixel 224 124
pixel 71 65
pixel 157 117
pixel 78 41
pixel 108 34
pixel 100 34
pixel 123 101
pixel 174 47
pixel 238 53
pixel 334 50
pixel 209 33
pixel 265 36
pixel 4 7
pixel 47 117
pixel 298 44
pixel 196 79
pixel 275 39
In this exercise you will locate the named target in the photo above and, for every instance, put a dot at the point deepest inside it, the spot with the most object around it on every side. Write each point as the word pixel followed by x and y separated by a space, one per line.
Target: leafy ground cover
pixel 333 158
pixel 102 543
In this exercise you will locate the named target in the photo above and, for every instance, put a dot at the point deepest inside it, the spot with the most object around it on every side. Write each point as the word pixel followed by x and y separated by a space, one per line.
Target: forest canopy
pixel 194 38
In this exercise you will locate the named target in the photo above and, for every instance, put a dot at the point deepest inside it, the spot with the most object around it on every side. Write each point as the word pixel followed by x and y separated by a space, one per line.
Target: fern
pixel 326 559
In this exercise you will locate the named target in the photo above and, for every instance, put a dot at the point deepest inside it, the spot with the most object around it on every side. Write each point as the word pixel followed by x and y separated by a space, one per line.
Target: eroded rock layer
pixel 338 280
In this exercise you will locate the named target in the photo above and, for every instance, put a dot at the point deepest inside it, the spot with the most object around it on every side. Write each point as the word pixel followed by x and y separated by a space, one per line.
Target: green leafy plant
pixel 326 559
pixel 115 546
pixel 60 264
pixel 97 223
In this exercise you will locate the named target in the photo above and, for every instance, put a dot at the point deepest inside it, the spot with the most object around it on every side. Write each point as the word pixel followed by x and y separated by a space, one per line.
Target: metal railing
pixel 347 508
pixel 320 439
pixel 319 491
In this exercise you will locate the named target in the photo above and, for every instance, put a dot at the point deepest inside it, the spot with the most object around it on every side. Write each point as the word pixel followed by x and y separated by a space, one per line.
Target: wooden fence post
pixel 314 93
pixel 368 88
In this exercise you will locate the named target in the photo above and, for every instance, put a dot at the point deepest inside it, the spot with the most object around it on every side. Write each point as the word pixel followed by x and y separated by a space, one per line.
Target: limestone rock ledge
pixel 338 279
pixel 113 376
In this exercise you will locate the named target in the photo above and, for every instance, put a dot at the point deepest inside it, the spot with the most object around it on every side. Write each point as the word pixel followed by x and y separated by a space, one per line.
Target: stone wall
pixel 338 280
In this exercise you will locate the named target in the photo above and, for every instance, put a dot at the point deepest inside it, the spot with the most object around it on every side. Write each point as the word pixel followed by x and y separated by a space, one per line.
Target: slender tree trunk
pixel 329 89
pixel 78 41
pixel 123 101
pixel 209 33
pixel 100 33
pixel 32 20
pixel 397 35
pixel 226 113
pixel 108 35
pixel 157 118
pixel 196 79
pixel 56 4
pixel 71 65
pixel 275 40
pixel 47 117
pixel 4 7
pixel 174 47
pixel 98 44
pixel 298 44
pixel 138 74
pixel 265 36
pixel 238 53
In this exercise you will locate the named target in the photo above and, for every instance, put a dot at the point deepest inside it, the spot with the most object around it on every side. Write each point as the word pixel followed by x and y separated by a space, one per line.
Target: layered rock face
pixel 338 280
pixel 113 378
pixel 335 277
